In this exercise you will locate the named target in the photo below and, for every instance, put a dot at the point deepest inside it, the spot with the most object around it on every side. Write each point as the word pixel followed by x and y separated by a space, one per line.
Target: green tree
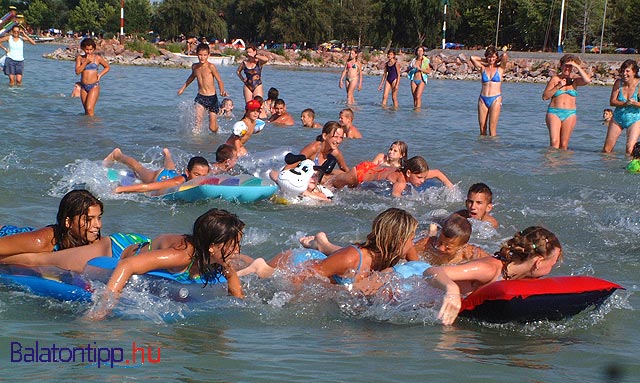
pixel 37 15
pixel 191 17
pixel 89 16
pixel 137 16
pixel 625 18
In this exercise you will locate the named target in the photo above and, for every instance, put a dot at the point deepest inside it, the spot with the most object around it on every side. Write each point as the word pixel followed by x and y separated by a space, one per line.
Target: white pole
pixel 444 25
pixel 604 17
pixel 560 30
pixel 121 21
pixel 498 23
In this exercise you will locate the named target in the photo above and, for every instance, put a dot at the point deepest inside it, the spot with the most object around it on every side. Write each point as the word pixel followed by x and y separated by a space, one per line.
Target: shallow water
pixel 583 196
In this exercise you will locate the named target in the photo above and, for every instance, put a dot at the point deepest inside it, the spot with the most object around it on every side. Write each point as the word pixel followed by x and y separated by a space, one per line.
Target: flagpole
pixel 560 29
pixel 604 17
pixel 498 23
pixel 444 24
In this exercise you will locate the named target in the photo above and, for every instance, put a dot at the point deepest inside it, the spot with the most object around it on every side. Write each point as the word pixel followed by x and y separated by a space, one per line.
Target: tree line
pixel 523 24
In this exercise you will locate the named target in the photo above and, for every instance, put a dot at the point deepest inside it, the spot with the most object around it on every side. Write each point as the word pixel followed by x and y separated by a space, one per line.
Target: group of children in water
pixel 445 259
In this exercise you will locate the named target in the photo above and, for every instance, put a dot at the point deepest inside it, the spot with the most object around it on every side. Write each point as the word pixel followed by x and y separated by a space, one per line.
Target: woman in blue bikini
pixel 624 96
pixel 418 72
pixel 490 100
pixel 562 90
pixel 87 65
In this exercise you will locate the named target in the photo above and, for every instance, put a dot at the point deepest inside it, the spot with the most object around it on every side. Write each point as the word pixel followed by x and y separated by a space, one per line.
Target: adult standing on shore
pixel 492 69
pixel 624 96
pixel 562 90
pixel 14 63
pixel 418 72
pixel 251 67
pixel 87 67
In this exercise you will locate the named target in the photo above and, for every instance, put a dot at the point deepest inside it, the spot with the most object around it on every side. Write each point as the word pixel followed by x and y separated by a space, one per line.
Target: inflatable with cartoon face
pixel 295 181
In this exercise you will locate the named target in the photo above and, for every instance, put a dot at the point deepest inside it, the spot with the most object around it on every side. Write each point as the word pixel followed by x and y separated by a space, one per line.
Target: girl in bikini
pixel 531 253
pixel 418 72
pixel 414 171
pixel 395 156
pixel 392 76
pixel 250 73
pixel 87 65
pixel 490 100
pixel 351 76
pixel 624 96
pixel 562 90
pixel 390 240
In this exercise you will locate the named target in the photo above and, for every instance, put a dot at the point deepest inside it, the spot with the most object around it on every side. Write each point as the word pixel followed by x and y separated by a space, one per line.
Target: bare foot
pixel 309 242
pixel 111 158
pixel 318 242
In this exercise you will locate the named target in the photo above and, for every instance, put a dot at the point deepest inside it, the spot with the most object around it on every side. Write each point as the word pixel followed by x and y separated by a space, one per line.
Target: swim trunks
pixel 10 230
pixel 210 103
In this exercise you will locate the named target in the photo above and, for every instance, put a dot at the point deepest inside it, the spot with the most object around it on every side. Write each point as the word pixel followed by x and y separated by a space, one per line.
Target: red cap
pixel 253 105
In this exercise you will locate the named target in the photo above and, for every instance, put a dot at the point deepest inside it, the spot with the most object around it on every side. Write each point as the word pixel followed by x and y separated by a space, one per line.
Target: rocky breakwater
pixel 115 53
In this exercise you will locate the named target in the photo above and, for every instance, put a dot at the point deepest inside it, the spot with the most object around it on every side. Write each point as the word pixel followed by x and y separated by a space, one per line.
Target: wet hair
pixel 329 129
pixel 389 232
pixel 528 243
pixel 273 94
pixel 225 152
pixel 75 203
pixel 456 226
pixel 404 149
pixel 629 63
pixel 226 100
pixel 481 188
pixel 415 164
pixel 197 160
pixel 258 98
pixel 491 51
pixel 202 47
pixel 569 57
pixel 279 102
pixel 635 153
pixel 88 42
pixel 309 111
pixel 347 112
pixel 214 227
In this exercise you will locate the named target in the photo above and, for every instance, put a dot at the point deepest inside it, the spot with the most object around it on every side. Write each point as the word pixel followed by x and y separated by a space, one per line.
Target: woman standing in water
pixel 14 63
pixel 251 67
pixel 351 76
pixel 418 72
pixel 490 101
pixel 624 96
pixel 562 90
pixel 87 64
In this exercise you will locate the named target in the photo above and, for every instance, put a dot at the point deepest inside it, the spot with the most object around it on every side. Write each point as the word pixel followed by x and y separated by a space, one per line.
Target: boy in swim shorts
pixel 479 204
pixel 207 99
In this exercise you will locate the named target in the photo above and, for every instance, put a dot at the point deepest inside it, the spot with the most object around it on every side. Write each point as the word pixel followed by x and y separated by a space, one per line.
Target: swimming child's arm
pixel 36 241
pixel 338 263
pixel 153 186
pixel 73 259
pixel 216 77
pixel 380 159
pixel 435 173
pixel 190 79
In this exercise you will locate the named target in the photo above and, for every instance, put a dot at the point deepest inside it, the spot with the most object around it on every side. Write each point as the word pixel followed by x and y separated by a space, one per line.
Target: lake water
pixel 276 334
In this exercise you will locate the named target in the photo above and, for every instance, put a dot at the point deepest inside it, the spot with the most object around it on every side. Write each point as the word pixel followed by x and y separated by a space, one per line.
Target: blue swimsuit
pixel 88 87
pixel 489 100
pixel 627 115
pixel 561 113
pixel 303 255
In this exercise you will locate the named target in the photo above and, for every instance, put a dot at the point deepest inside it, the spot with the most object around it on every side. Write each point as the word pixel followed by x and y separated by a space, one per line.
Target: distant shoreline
pixel 535 67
